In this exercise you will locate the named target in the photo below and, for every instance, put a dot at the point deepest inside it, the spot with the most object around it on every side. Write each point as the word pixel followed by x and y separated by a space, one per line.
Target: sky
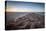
pixel 17 6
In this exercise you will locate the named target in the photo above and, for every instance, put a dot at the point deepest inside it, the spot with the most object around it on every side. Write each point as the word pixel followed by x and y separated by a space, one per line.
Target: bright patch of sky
pixel 25 6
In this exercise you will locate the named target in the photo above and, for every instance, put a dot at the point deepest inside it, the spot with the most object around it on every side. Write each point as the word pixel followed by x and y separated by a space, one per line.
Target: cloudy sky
pixel 15 6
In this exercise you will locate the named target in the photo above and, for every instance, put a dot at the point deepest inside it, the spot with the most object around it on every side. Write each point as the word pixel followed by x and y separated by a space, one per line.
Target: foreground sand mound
pixel 29 21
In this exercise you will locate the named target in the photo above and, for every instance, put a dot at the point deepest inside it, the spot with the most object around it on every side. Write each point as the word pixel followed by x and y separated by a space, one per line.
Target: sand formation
pixel 29 21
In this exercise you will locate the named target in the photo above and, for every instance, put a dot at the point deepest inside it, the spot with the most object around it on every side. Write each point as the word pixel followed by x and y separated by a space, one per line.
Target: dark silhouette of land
pixel 29 21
